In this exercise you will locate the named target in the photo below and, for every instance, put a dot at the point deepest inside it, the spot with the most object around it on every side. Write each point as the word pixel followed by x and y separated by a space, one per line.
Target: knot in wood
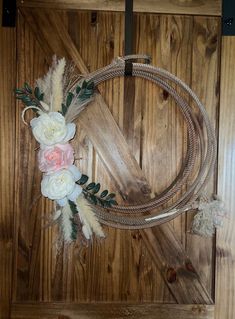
pixel 171 275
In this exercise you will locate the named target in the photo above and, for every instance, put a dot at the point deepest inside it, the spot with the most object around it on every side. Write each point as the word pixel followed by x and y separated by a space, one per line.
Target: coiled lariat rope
pixel 197 165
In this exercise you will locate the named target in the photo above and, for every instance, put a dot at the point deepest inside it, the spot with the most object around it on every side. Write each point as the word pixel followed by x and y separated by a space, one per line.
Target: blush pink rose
pixel 54 158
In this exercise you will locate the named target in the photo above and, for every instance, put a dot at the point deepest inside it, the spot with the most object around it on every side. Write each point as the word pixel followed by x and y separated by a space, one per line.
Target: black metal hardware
pixel 228 17
pixel 128 35
pixel 9 13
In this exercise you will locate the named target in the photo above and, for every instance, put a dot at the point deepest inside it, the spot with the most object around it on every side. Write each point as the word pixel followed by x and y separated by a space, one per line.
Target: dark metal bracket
pixel 9 13
pixel 128 35
pixel 228 17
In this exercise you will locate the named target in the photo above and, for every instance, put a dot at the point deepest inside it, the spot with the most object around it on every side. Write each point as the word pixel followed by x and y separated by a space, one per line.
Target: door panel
pixel 120 268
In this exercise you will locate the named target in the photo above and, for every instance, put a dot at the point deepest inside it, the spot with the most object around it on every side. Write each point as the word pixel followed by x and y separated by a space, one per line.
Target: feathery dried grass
pixel 65 222
pixel 57 85
pixel 88 218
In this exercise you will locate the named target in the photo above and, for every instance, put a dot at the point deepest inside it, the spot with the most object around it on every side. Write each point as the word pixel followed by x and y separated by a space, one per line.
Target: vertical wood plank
pixel 30 281
pixel 205 79
pixel 225 239
pixel 7 147
pixel 7 122
pixel 6 249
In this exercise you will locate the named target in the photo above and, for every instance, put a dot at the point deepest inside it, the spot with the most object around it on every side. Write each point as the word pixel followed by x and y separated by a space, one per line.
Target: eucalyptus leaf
pixel 83 180
pixel 19 91
pixel 104 193
pixel 28 88
pixel 41 97
pixel 37 92
pixel 96 188
pixel 90 85
pixel 90 186
pixel 94 199
pixel 27 103
pixel 78 89
pixel 73 207
pixel 74 230
pixel 69 99
pixel 110 196
pixel 26 98
pixel 113 202
pixel 84 84
pixel 64 109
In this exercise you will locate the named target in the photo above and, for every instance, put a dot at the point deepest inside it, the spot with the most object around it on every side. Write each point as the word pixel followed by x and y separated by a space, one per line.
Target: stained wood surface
pixel 161 241
pixel 205 56
pixel 111 311
pixel 7 147
pixel 44 269
pixel 194 7
pixel 225 239
pixel 114 286
pixel 65 44
pixel 7 122
pixel 32 259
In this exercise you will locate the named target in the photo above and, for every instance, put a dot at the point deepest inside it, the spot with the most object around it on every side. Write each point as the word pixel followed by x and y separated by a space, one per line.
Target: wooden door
pixel 164 272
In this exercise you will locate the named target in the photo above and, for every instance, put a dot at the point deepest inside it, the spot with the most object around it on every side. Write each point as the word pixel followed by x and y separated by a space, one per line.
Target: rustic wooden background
pixel 36 268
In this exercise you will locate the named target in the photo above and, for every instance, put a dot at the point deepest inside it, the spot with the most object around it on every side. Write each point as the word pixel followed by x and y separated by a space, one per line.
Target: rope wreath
pixel 197 165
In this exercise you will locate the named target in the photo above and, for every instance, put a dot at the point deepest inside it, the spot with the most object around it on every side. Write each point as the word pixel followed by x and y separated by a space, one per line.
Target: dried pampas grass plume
pixel 44 84
pixel 57 85
pixel 65 221
pixel 88 218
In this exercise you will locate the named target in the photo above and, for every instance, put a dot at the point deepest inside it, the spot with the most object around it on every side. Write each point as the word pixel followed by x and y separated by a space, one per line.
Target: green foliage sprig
pixel 84 92
pixel 74 211
pixel 29 96
pixel 90 192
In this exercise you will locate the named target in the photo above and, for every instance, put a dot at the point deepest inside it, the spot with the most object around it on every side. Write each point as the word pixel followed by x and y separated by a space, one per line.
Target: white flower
pixel 61 186
pixel 50 128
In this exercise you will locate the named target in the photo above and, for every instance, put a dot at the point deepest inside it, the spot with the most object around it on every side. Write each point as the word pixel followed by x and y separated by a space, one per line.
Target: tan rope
pixel 201 144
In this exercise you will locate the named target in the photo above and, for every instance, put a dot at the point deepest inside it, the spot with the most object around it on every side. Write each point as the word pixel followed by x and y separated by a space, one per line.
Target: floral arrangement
pixel 57 102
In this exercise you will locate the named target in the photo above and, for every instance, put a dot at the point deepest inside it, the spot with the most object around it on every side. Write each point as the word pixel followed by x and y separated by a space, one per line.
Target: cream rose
pixel 61 186
pixel 50 129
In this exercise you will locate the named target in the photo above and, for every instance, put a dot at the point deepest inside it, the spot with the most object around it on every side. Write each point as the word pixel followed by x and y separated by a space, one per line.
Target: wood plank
pixel 225 239
pixel 7 147
pixel 194 7
pixel 7 124
pixel 128 175
pixel 32 252
pixel 204 81
pixel 5 278
pixel 110 311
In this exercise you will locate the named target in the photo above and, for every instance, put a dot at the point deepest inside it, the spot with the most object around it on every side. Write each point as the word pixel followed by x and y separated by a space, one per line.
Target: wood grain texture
pixel 111 311
pixel 111 284
pixel 205 58
pixel 7 122
pixel 60 273
pixel 30 211
pixel 6 250
pixel 128 176
pixel 194 7
pixel 162 242
pixel 225 239
pixel 144 281
pixel 7 147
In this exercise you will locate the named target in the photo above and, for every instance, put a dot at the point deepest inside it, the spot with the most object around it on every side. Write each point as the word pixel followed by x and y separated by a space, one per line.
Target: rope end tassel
pixel 210 216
